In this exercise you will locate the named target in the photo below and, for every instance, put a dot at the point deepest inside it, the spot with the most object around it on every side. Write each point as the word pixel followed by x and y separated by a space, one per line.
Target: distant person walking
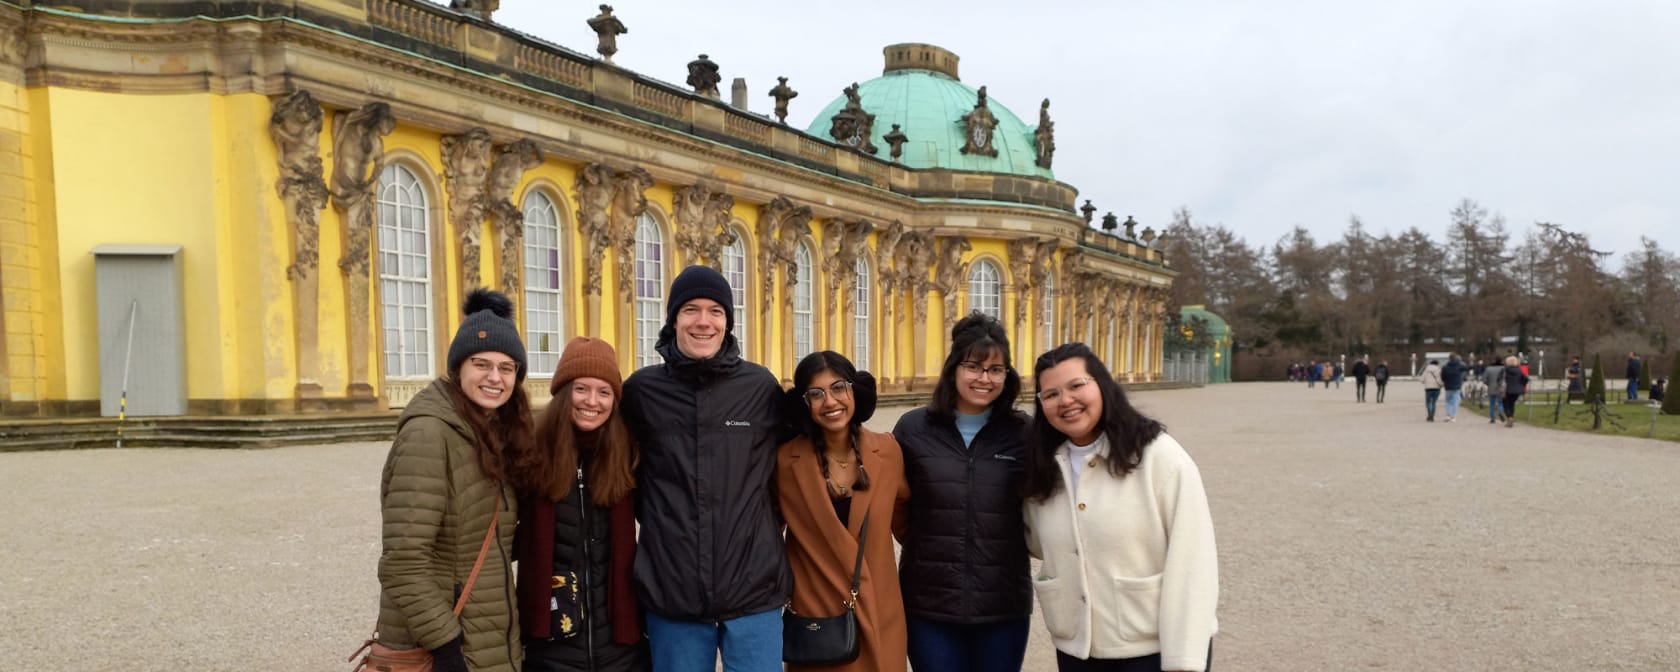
pixel 1452 380
pixel 1339 376
pixel 1633 376
pixel 1380 374
pixel 1574 376
pixel 1312 374
pixel 1515 382
pixel 1431 387
pixel 1494 377
pixel 1361 371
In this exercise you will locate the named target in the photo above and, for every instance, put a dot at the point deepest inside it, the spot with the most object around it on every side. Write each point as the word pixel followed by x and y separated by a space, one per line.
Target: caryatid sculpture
pixel 607 29
pixel 629 202
pixel 951 273
pixel 466 164
pixel 358 161
pixel 594 189
pixel 295 127
pixel 507 168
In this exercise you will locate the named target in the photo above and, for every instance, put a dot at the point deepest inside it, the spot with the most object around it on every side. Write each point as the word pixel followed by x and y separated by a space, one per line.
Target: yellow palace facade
pixel 276 206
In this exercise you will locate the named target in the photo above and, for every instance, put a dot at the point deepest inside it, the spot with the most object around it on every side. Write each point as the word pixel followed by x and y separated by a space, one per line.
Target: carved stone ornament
pixel 479 8
pixel 781 226
pixel 629 202
pixel 1044 137
pixel 507 167
pixel 1042 258
pixel 14 47
pixel 852 126
pixel 703 76
pixel 887 266
pixel 782 93
pixel 978 126
pixel 1021 251
pixel 702 225
pixel 358 160
pixel 916 249
pixel 1088 211
pixel 295 127
pixel 844 243
pixel 466 165
pixel 951 274
pixel 594 191
pixel 607 29
pixel 895 142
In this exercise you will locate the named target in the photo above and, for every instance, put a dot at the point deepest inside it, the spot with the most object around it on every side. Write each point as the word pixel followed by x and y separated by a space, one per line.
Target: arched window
pixel 544 319
pixel 860 318
pixel 405 273
pixel 803 322
pixel 735 271
pixel 1049 315
pixel 985 287
pixel 650 288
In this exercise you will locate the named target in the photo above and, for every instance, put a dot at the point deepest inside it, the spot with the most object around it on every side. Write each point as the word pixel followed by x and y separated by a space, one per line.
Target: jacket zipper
pixel 584 612
pixel 968 522
pixel 507 580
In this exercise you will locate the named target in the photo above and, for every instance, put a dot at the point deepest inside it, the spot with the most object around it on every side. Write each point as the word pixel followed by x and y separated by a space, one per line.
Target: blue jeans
pixel 1452 402
pixel 1429 397
pixel 936 646
pixel 1633 389
pixel 1496 399
pixel 751 643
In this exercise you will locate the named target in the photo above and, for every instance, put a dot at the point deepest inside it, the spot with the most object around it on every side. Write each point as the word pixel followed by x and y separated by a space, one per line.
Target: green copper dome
pixel 928 105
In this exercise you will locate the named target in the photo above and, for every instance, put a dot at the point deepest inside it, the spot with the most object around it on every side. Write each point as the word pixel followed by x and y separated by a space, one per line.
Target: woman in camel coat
pixel 828 479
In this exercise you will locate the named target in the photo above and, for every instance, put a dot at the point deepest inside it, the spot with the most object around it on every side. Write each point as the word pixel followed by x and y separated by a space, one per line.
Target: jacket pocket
pixel 565 606
pixel 1137 607
pixel 1061 606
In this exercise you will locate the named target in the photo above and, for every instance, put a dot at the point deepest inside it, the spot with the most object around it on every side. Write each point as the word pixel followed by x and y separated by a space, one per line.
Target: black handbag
pixel 829 640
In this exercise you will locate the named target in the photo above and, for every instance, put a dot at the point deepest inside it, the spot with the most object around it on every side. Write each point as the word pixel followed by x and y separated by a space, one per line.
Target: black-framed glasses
pixel 817 395
pixel 484 366
pixel 1055 393
pixel 974 368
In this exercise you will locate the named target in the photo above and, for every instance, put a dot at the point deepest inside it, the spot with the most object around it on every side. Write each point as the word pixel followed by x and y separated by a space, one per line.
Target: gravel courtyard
pixel 1351 536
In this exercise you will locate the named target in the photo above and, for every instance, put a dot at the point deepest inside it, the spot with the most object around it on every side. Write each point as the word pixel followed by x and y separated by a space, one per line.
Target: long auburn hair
pixel 798 415
pixel 502 438
pixel 975 337
pixel 612 469
pixel 1128 430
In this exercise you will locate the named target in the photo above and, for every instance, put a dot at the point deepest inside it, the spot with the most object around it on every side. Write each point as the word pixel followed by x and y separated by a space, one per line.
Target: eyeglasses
pixel 973 368
pixel 1055 393
pixel 817 395
pixel 484 366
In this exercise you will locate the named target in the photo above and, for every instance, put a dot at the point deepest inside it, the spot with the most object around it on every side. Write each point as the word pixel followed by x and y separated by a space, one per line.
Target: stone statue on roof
pixel 895 140
pixel 978 125
pixel 782 93
pixel 703 76
pixel 1044 137
pixel 852 125
pixel 607 28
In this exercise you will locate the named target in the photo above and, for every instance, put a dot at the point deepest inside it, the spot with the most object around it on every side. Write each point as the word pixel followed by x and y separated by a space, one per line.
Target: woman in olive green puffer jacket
pixel 458 442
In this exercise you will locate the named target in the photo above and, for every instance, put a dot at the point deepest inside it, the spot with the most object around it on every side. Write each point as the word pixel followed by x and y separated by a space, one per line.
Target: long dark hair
pixel 798 415
pixel 612 471
pixel 502 438
pixel 974 337
pixel 1128 431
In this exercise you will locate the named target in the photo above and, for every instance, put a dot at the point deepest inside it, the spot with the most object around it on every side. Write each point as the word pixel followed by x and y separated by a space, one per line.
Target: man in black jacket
pixel 710 566
pixel 1360 371
pixel 1452 379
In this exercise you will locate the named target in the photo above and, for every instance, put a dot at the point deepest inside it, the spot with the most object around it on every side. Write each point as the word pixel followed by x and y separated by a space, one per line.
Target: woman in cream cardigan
pixel 1115 509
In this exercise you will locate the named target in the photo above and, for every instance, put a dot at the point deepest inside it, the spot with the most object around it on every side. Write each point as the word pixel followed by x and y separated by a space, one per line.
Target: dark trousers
pixel 936 646
pixel 1149 663
pixel 1359 388
pixel 1382 386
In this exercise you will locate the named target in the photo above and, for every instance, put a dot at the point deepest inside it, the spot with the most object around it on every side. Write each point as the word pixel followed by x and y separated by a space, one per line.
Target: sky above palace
pixel 1256 115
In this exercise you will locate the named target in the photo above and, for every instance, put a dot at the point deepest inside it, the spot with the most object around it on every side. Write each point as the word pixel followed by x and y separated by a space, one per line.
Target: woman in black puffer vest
pixel 577 537
pixel 967 593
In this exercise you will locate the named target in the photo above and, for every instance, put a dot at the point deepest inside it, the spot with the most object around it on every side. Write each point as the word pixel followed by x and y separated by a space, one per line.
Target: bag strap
pixel 483 550
pixel 857 567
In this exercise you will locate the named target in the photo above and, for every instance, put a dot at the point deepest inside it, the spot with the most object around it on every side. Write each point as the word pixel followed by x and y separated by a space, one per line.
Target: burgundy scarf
pixel 535 547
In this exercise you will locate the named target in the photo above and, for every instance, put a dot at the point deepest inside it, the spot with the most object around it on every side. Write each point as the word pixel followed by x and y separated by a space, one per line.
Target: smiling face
pixel 488 378
pixel 979 382
pixel 592 403
pixel 832 409
pixel 1071 401
pixel 701 325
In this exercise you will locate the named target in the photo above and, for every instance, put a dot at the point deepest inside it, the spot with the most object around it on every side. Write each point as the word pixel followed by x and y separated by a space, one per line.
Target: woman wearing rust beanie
pixel 577 534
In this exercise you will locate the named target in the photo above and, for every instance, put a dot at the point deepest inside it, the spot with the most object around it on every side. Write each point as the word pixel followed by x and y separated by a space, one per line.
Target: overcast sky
pixel 1255 115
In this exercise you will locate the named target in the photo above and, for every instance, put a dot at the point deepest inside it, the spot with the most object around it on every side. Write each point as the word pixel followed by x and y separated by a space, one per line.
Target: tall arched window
pixel 860 318
pixel 735 271
pixel 544 319
pixel 650 288
pixel 405 273
pixel 804 324
pixel 985 289
pixel 1049 315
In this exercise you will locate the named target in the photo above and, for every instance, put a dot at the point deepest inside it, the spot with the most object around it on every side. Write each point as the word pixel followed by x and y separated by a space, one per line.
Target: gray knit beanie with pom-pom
pixel 489 327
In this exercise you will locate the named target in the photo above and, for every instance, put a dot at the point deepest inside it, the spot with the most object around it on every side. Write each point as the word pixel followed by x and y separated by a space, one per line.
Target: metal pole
pixel 128 355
